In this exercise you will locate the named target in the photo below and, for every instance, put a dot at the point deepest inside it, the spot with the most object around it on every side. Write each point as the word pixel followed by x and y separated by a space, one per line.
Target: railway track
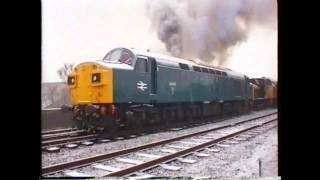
pixel 72 138
pixel 67 140
pixel 137 160
pixel 61 135
pixel 52 141
pixel 57 131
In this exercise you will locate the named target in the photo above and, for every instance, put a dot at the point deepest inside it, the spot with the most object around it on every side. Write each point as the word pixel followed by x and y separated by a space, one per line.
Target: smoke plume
pixel 207 29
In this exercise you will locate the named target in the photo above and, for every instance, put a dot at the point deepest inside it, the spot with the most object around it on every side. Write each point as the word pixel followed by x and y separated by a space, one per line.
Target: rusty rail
pixel 61 135
pixel 155 162
pixel 69 140
pixel 57 131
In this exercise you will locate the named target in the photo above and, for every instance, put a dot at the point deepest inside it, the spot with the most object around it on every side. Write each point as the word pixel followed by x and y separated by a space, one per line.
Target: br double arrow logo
pixel 142 86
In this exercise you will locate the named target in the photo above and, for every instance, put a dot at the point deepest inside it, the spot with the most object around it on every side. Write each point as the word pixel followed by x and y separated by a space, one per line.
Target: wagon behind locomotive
pixel 264 92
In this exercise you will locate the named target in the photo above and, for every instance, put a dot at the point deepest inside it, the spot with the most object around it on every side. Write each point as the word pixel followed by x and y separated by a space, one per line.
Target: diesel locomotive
pixel 133 89
pixel 264 92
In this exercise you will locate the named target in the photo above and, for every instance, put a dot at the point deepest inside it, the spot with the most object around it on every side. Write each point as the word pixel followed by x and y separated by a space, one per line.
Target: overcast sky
pixel 79 30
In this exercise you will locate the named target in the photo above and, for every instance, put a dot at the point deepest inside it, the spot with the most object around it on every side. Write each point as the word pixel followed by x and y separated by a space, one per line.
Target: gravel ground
pixel 238 161
pixel 66 155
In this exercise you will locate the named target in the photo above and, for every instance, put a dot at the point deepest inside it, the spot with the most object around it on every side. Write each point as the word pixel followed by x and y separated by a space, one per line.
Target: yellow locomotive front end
pixel 91 83
pixel 91 92
pixel 271 93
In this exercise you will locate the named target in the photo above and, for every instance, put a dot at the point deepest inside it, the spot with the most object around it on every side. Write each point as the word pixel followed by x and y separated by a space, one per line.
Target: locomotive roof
pixel 173 61
pixel 265 78
pixel 167 61
pixel 163 57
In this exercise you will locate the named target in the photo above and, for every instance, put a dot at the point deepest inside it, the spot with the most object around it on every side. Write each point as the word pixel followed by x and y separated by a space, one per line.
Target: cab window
pixel 120 55
pixel 141 65
pixel 71 80
pixel 126 58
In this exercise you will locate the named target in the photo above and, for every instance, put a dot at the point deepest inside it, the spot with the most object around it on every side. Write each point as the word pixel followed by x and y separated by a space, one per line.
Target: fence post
pixel 259 167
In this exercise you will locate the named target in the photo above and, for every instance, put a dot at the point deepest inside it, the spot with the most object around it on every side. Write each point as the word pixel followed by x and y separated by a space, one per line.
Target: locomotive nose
pixel 91 83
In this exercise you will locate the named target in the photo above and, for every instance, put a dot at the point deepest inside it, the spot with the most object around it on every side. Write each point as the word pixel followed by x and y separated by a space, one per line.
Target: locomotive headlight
pixel 71 80
pixel 96 77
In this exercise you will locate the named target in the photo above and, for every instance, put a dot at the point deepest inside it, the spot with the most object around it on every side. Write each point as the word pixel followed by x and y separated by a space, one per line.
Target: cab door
pixel 142 79
pixel 152 65
pixel 153 75
pixel 214 85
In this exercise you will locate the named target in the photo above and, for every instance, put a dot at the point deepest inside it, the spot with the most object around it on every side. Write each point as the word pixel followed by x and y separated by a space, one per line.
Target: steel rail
pixel 155 162
pixel 87 161
pixel 68 140
pixel 57 131
pixel 61 135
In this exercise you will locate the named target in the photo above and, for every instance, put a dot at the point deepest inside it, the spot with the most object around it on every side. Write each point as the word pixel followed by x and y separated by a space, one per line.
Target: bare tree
pixel 64 71
pixel 52 93
pixel 66 95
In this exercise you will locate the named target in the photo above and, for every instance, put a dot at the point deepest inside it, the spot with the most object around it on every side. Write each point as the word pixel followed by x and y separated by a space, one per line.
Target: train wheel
pixel 188 114
pixel 171 115
pixel 112 127
pixel 196 113
pixel 139 121
pixel 134 126
pixel 138 126
pixel 78 124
